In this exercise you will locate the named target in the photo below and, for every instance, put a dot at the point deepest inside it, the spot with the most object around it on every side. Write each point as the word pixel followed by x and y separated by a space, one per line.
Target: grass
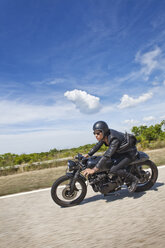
pixel 30 180
pixel 157 156
pixel 37 179
pixel 31 167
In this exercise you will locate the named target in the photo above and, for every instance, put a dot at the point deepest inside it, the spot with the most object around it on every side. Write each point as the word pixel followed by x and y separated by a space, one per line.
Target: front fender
pixel 70 174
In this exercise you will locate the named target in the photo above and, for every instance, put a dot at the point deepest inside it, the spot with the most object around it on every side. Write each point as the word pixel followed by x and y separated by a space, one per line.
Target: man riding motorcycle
pixel 121 147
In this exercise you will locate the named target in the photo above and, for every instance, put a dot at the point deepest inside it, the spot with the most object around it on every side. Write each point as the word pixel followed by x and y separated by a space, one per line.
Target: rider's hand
pixel 86 156
pixel 89 171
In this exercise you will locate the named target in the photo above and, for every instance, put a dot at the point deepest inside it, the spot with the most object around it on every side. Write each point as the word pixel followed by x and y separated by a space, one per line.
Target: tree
pixel 149 134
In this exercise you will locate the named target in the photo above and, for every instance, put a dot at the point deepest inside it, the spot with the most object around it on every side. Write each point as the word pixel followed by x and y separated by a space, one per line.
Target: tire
pixel 152 179
pixel 68 200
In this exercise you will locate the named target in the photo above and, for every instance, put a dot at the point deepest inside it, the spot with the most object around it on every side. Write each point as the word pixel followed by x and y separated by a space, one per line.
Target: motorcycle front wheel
pixel 62 195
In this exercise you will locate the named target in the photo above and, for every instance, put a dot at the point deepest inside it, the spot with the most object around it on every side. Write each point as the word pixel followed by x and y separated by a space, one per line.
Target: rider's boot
pixel 133 180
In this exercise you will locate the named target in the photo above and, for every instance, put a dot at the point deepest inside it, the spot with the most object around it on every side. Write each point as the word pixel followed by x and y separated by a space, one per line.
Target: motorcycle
pixel 70 189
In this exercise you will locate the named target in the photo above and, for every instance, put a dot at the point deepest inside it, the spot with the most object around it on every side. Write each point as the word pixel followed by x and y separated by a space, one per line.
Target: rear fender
pixel 141 157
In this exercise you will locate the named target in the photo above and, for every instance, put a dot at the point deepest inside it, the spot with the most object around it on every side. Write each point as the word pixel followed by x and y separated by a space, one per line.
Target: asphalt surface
pixel 117 221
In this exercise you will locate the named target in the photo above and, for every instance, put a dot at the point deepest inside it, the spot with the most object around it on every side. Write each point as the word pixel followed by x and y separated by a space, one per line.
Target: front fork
pixel 75 175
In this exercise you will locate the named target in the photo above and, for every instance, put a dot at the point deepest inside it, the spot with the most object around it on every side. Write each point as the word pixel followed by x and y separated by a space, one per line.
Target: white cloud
pixel 131 122
pixel 128 101
pixel 149 118
pixel 148 61
pixel 155 83
pixel 51 81
pixel 83 101
pixel 57 81
pixel 13 112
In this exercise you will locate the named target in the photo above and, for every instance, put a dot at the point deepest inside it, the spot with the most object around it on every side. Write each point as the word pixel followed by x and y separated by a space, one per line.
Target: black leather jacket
pixel 117 142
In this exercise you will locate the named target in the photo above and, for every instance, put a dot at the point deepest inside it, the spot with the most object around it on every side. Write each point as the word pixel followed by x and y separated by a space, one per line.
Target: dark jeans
pixel 124 160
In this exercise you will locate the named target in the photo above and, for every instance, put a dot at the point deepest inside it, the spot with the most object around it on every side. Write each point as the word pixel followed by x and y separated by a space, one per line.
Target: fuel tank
pixel 92 161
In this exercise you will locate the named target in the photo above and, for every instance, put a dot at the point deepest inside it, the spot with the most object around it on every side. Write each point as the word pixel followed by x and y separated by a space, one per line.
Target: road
pixel 117 221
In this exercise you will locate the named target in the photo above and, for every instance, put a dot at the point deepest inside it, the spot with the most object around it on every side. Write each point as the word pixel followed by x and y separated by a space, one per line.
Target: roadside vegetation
pixel 37 179
pixel 12 181
pixel 152 137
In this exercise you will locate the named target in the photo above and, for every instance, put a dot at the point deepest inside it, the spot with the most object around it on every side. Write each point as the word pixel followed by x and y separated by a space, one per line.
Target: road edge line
pixel 41 190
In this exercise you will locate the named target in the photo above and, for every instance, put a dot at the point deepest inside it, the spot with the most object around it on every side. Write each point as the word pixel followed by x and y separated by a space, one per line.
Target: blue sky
pixel 65 64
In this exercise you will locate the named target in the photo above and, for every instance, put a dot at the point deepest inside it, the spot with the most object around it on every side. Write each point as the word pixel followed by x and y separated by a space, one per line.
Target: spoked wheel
pixel 62 194
pixel 148 175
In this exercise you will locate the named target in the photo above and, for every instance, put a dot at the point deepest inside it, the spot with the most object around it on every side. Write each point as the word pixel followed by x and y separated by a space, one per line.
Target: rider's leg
pixel 119 170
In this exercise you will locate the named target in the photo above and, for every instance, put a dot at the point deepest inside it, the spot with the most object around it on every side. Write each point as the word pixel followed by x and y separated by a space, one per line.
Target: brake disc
pixel 66 194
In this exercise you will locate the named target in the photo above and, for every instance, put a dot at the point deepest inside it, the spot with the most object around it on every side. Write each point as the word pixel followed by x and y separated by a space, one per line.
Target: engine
pixel 102 182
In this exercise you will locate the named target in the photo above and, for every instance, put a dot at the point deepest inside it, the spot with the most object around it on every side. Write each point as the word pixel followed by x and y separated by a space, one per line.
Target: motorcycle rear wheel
pixel 150 168
pixel 61 195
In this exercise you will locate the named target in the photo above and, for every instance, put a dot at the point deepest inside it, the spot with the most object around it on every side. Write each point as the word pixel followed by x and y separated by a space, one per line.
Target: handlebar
pixel 79 156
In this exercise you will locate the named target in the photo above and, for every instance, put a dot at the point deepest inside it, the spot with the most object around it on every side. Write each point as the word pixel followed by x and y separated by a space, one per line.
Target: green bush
pixel 150 137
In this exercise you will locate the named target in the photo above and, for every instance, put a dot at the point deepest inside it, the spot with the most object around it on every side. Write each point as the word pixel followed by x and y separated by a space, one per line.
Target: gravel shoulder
pixel 119 220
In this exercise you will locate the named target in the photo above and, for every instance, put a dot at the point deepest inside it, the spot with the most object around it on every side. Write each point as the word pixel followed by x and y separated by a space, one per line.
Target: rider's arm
pixel 108 154
pixel 95 148
pixel 112 148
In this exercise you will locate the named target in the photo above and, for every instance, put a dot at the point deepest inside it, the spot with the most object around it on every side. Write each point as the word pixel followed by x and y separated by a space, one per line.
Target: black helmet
pixel 102 126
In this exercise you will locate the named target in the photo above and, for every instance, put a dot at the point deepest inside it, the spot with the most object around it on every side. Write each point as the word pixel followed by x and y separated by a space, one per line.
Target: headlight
pixel 72 165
